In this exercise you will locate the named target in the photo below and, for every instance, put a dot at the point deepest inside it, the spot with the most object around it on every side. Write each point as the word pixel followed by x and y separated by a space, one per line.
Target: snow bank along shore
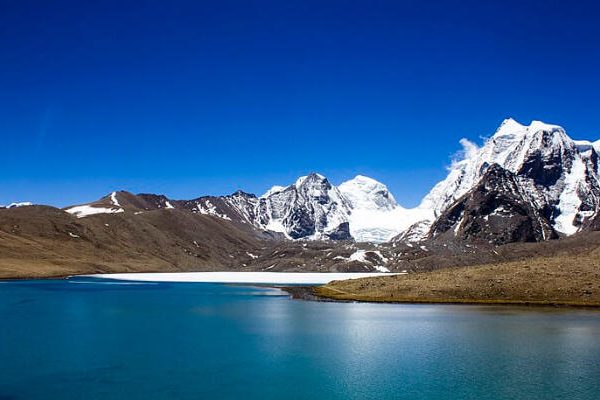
pixel 276 278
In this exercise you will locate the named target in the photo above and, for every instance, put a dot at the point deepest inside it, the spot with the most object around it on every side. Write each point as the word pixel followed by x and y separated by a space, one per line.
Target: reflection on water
pixel 96 339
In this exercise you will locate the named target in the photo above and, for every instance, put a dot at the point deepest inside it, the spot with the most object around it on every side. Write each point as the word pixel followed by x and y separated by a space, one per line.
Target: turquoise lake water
pixel 109 340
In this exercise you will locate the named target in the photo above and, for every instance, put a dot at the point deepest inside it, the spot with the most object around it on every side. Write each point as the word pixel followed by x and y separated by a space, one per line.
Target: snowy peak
pixel 516 147
pixel 375 215
pixel 556 173
pixel 311 208
pixel 367 194
pixel 509 127
pixel 311 179
pixel 300 182
pixel 361 208
pixel 315 186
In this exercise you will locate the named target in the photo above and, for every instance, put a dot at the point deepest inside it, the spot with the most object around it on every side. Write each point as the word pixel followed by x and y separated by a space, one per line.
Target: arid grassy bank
pixel 558 280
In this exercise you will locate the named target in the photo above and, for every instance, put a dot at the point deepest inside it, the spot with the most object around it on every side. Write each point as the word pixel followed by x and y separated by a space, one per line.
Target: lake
pixel 100 339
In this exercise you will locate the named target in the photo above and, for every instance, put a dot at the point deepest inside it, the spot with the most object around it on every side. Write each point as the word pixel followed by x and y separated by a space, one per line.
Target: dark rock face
pixel 542 172
pixel 495 211
pixel 592 224
pixel 547 163
pixel 301 223
pixel 342 232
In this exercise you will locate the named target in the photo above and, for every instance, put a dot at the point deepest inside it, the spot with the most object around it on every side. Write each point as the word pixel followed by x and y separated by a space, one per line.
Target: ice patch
pixel 381 268
pixel 20 204
pixel 113 198
pixel 378 226
pixel 86 211
pixel 305 278
pixel 209 208
pixel 569 201
pixel 358 255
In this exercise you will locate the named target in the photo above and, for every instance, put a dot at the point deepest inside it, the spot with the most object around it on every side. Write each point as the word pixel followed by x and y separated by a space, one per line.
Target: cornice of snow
pixel 273 190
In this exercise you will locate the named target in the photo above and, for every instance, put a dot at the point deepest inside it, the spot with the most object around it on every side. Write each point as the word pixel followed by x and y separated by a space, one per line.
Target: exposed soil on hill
pixel 46 242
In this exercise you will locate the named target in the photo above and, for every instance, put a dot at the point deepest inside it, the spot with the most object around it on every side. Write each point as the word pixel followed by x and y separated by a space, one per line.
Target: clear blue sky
pixel 190 98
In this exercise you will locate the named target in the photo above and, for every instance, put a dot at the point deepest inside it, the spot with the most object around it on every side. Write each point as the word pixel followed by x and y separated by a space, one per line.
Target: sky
pixel 188 98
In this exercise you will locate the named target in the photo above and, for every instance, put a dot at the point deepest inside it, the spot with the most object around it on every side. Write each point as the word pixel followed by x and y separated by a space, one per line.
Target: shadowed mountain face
pixel 496 211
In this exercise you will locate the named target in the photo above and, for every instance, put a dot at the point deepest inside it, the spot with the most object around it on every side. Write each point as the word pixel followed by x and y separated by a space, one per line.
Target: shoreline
pixel 315 291
pixel 311 293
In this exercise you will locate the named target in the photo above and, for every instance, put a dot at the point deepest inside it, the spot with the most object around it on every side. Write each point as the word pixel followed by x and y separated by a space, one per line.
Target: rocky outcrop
pixel 496 211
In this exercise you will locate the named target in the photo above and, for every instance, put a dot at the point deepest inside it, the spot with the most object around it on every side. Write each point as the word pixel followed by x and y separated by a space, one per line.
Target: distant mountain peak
pixel 312 177
pixel 508 125
pixel 241 193
pixel 511 126
pixel 367 193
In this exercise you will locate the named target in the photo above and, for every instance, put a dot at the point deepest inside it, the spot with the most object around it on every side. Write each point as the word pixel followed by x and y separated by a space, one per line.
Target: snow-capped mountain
pixel 311 208
pixel 557 175
pixel 375 215
pixel 367 194
pixel 361 208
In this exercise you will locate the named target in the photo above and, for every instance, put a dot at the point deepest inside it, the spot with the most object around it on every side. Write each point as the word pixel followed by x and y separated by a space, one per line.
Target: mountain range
pixel 535 173
pixel 525 183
